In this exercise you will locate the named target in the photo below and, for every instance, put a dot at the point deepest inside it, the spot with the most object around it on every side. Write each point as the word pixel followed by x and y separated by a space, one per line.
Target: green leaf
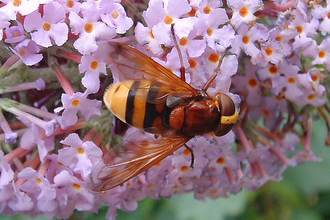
pixel 312 177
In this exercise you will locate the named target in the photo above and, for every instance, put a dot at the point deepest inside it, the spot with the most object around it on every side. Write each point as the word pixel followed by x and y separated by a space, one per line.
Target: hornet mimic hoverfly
pixel 155 100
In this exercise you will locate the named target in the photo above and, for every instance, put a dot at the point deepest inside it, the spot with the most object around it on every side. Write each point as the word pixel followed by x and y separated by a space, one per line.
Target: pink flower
pixel 28 50
pixel 71 194
pixel 247 39
pixel 80 156
pixel 322 53
pixel 144 36
pixel 15 199
pixel 23 7
pixel 89 29
pixel 191 46
pixel 305 26
pixel 321 13
pixel 93 65
pixel 221 159
pixel 34 136
pixel 7 174
pixel 4 23
pixel 160 17
pixel 14 34
pixel 215 36
pixel 243 11
pixel 50 28
pixel 273 52
pixel 78 102
pixel 40 189
pixel 114 15
pixel 70 5
pixel 249 83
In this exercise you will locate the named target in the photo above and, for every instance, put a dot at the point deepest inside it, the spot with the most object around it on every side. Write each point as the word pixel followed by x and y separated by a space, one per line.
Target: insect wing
pixel 119 166
pixel 128 63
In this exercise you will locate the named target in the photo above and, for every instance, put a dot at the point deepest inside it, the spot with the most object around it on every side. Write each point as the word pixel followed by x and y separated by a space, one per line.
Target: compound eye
pixel 228 114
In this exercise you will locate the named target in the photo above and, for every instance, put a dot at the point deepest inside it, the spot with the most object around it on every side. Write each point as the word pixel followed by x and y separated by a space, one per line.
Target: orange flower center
pixel 300 29
pixel 214 58
pixel 46 26
pixel 94 65
pixel 75 102
pixel 243 12
pixel 315 78
pixel 279 38
pixel 253 83
pixel 273 70
pixel 80 150
pixel 183 41
pixel 269 51
pixel 184 168
pixel 70 4
pixel 76 186
pixel 221 160
pixel 192 63
pixel 246 39
pixel 89 27
pixel 17 3
pixel 311 97
pixel 292 80
pixel 322 54
pixel 168 20
pixel 115 14
pixel 207 10
pixel 209 31
pixel 38 180
pixel 192 12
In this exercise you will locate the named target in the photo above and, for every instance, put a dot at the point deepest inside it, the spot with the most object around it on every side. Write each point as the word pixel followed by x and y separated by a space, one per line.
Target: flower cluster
pixel 274 58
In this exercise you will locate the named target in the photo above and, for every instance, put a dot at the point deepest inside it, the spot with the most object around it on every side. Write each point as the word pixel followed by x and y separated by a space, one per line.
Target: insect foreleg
pixel 216 72
pixel 182 69
pixel 192 155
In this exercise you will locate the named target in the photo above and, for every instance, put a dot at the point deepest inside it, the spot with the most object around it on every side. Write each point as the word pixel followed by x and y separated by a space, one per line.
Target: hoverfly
pixel 155 100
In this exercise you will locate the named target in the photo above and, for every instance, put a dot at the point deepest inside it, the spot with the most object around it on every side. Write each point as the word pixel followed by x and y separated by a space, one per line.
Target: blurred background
pixel 304 194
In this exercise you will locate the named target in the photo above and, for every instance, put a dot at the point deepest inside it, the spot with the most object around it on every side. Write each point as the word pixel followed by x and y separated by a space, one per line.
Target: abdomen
pixel 138 103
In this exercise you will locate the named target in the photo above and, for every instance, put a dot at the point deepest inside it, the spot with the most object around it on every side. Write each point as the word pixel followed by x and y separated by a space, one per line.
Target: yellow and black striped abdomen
pixel 133 102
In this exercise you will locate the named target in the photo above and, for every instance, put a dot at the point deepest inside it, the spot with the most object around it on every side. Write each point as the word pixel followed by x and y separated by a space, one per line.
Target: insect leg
pixel 192 155
pixel 182 69
pixel 216 72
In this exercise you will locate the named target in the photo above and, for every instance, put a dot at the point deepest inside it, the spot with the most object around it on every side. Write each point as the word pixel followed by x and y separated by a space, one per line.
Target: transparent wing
pixel 127 63
pixel 131 159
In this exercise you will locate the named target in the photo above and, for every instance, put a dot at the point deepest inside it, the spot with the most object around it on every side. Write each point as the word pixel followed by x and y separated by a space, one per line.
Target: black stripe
pixel 151 112
pixel 130 102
